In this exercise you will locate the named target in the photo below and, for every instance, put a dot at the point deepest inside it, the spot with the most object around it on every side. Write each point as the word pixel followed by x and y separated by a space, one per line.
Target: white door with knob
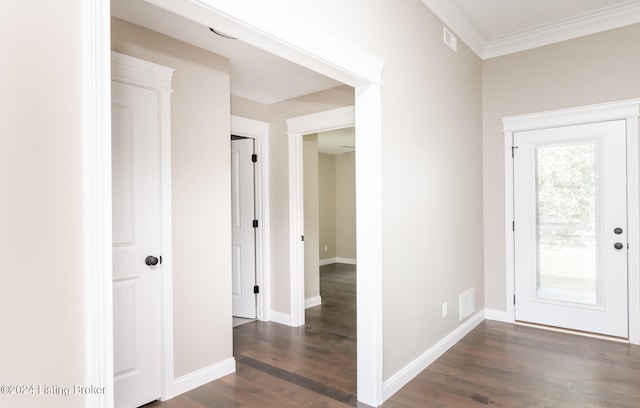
pixel 136 245
pixel 570 212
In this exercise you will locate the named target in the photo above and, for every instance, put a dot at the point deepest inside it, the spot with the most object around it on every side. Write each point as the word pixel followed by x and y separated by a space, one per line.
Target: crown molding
pixel 566 29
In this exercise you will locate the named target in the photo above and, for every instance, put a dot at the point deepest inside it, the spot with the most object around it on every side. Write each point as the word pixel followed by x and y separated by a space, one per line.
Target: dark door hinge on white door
pixel 255 223
pixel 254 158
pixel 256 289
pixel 513 150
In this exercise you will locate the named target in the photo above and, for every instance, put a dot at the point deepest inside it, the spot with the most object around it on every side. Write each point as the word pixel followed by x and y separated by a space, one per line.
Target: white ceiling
pixel 489 27
pixel 255 74
pixel 337 141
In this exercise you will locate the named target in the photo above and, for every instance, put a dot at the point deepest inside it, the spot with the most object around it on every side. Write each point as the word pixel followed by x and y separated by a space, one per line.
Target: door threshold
pixel 569 331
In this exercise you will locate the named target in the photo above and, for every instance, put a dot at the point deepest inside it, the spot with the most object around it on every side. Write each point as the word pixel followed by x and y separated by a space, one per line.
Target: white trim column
pixel 96 136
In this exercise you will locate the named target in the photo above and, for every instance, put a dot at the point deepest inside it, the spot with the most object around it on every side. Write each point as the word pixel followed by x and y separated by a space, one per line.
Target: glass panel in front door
pixel 566 183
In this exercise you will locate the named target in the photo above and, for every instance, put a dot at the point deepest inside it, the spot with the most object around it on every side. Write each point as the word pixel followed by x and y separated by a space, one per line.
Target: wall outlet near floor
pixel 444 310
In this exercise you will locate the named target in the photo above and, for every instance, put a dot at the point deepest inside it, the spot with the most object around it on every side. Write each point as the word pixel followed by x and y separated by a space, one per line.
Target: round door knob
pixel 617 231
pixel 618 245
pixel 152 260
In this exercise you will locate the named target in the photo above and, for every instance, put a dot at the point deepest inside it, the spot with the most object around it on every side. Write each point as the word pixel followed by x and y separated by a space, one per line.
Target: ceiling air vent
pixel 450 39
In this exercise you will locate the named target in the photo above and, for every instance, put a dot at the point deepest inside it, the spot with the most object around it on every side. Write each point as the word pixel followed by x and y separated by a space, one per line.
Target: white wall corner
pixel 312 301
pixel 203 376
pixel 411 370
pixel 281 318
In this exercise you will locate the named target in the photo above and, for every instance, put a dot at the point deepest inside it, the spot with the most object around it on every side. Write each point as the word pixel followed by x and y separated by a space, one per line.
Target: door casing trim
pixel 628 110
pixel 296 128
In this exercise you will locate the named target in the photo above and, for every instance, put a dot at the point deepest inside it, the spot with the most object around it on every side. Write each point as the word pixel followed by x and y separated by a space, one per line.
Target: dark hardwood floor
pixel 497 364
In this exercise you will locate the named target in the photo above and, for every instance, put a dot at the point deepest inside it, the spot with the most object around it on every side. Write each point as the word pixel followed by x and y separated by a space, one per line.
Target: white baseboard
pixel 312 302
pixel 329 261
pixel 203 376
pixel 282 318
pixel 410 371
pixel 498 316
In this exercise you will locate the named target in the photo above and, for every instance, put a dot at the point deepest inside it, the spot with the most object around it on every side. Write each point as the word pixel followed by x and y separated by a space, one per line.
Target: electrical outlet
pixel 444 310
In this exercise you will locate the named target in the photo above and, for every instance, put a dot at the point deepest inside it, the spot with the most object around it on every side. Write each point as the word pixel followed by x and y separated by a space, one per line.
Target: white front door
pixel 570 211
pixel 243 231
pixel 136 236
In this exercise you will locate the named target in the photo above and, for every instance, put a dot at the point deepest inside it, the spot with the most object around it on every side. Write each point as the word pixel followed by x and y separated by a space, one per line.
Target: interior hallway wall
pixel 598 68
pixel 327 205
pixel 41 210
pixel 201 193
pixel 345 196
pixel 432 214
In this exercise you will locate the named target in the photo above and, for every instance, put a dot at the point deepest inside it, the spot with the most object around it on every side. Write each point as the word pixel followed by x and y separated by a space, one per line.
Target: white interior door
pixel 136 236
pixel 243 241
pixel 571 226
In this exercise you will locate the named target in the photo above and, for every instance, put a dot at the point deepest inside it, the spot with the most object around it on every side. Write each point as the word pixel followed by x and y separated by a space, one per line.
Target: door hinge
pixel 256 289
pixel 254 158
pixel 255 223
pixel 513 225
pixel 513 150
pixel 302 238
pixel 160 259
pixel 514 299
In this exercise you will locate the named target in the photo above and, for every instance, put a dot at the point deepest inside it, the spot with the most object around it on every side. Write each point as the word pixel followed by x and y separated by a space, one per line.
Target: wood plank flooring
pixel 497 364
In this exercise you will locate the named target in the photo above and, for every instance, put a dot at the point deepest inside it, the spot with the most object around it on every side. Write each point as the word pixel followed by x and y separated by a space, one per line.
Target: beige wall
pixel 598 68
pixel 200 142
pixel 337 180
pixel 431 166
pixel 41 230
pixel 311 216
pixel 327 205
pixel 247 108
pixel 345 221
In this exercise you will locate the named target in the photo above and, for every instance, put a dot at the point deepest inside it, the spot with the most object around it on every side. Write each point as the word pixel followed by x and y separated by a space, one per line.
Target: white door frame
pixel 148 75
pixel 259 132
pixel 296 128
pixel 628 110
pixel 269 25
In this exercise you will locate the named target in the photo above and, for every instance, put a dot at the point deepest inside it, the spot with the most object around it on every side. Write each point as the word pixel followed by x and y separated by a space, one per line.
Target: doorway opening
pixel 307 45
pixel 330 243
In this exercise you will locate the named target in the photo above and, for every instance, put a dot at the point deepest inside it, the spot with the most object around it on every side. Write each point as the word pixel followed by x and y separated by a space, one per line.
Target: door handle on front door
pixel 151 260
pixel 618 245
